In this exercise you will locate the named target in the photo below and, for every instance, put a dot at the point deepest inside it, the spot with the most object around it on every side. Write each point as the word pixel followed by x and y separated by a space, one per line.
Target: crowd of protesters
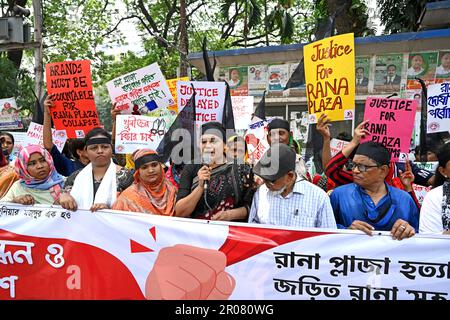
pixel 361 188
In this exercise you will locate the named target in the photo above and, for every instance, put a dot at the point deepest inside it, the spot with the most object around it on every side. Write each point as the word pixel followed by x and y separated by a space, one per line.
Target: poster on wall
pixel 238 81
pixel 422 65
pixel 257 79
pixel 388 72
pixel 278 77
pixel 362 69
pixel 443 68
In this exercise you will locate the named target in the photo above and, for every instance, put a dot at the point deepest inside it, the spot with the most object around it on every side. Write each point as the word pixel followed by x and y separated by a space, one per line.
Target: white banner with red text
pixel 51 253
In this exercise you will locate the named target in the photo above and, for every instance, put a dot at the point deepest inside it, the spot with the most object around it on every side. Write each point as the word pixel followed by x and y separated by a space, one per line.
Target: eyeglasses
pixel 361 167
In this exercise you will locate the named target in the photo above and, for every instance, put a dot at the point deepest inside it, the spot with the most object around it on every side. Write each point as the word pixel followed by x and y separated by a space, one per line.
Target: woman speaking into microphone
pixel 214 189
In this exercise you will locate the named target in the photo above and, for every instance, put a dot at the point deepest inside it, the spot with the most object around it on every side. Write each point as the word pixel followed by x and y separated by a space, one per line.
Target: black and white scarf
pixel 446 205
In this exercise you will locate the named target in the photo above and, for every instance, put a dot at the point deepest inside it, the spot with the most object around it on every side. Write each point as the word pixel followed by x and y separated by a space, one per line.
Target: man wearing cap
pixel 285 199
pixel 279 132
pixel 369 203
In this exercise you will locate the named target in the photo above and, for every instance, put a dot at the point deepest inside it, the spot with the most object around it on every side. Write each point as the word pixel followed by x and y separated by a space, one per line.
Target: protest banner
pixel 35 135
pixel 242 111
pixel 70 84
pixel 238 81
pixel 438 118
pixel 330 77
pixel 138 132
pixel 390 123
pixel 257 80
pixel 134 92
pixel 172 83
pixel 73 255
pixel 421 65
pixel 9 115
pixel 209 99
pixel 336 146
pixel 256 139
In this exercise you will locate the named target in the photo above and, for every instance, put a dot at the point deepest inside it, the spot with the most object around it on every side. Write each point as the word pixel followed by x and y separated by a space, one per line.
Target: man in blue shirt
pixel 370 203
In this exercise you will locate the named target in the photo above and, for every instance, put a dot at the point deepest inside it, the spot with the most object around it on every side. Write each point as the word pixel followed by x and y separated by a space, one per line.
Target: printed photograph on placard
pixel 443 68
pixel 278 76
pixel 422 65
pixel 257 80
pixel 238 81
pixel 362 67
pixel 388 72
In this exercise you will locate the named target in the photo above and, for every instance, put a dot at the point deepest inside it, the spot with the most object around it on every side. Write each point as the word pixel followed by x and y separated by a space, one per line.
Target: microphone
pixel 206 159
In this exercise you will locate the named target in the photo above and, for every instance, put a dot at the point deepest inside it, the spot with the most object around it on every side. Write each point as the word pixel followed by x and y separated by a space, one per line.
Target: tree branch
pixel 172 10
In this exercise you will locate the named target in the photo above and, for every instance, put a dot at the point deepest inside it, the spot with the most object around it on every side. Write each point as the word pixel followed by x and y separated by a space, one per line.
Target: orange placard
pixel 70 83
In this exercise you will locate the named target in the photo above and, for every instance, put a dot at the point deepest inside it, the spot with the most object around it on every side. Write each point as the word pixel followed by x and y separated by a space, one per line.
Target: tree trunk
pixel 184 41
pixel 38 61
pixel 344 21
pixel 245 23
pixel 266 23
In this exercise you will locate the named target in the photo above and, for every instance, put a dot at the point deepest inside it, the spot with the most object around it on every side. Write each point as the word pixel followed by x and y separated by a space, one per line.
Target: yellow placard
pixel 172 83
pixel 330 77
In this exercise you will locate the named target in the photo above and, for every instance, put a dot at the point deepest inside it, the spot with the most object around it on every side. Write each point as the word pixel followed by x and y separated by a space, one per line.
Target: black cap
pixel 214 128
pixel 375 151
pixel 279 124
pixel 276 162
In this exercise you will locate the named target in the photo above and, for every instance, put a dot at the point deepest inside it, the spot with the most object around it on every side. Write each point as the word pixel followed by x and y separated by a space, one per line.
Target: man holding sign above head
pixel 63 165
pixel 279 132
pixel 370 203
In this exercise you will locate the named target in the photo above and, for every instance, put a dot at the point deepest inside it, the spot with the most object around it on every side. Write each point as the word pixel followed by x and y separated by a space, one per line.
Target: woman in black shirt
pixel 227 195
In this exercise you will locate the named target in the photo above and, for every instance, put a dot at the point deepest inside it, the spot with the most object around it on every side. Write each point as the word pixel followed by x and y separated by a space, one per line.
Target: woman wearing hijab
pixel 150 192
pixel 96 186
pixel 39 182
pixel 435 211
pixel 212 188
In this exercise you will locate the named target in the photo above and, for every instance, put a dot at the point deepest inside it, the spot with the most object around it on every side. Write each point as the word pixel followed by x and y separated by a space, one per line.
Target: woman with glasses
pixel 211 188
pixel 369 203
pixel 96 186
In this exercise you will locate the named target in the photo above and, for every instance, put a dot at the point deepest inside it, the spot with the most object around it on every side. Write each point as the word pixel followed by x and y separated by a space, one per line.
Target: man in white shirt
pixel 285 199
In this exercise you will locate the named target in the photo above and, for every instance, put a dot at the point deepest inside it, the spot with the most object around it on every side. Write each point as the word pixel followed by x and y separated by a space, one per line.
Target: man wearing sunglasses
pixel 369 203
pixel 285 199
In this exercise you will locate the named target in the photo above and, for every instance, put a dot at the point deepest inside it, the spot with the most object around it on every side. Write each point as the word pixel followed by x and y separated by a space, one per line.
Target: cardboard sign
pixel 9 115
pixel 438 118
pixel 242 111
pixel 172 83
pixel 337 145
pixel 256 139
pixel 390 123
pixel 71 84
pixel 134 91
pixel 35 135
pixel 209 99
pixel 19 141
pixel 138 132
pixel 330 77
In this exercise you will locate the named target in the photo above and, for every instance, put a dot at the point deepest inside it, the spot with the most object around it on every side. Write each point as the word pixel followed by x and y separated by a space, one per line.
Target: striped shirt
pixel 307 206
